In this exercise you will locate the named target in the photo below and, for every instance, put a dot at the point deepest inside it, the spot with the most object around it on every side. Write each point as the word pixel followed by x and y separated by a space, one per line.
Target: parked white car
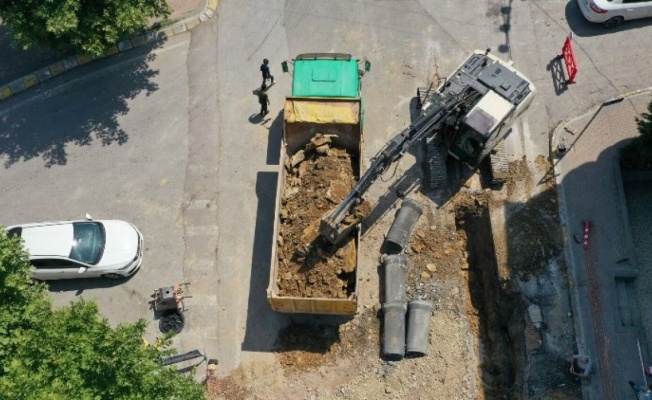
pixel 611 13
pixel 82 249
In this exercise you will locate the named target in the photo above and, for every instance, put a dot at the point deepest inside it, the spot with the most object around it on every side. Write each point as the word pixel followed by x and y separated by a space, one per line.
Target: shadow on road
pixel 16 62
pixel 40 130
pixel 79 285
pixel 274 140
pixel 263 324
pixel 559 81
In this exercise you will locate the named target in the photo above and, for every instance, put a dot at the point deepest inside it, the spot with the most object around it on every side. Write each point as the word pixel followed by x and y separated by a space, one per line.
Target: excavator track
pixel 436 172
pixel 499 164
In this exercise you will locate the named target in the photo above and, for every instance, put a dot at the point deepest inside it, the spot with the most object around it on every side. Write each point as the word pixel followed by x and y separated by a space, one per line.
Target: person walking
pixel 264 68
pixel 263 99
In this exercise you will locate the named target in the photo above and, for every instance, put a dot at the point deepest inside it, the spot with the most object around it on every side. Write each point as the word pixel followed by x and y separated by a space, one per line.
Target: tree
pixel 72 352
pixel 22 304
pixel 637 155
pixel 86 26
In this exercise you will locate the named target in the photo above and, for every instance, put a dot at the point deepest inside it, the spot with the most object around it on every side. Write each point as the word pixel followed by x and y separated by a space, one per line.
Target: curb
pixel 154 35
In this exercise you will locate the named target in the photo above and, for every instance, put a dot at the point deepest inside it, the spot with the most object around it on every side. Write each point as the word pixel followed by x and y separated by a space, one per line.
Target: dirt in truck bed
pixel 318 178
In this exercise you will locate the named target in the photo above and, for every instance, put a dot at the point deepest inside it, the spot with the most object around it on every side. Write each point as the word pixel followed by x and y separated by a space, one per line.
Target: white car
pixel 81 249
pixel 611 13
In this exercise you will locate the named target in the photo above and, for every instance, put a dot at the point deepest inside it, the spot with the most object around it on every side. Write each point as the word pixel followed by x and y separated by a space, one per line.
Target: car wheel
pixel 112 276
pixel 613 22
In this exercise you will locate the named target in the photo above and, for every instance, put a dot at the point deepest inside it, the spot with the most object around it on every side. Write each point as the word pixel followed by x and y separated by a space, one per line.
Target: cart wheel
pixel 172 321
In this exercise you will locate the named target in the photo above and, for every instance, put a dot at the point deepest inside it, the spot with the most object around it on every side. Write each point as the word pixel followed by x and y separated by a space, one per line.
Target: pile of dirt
pixel 520 178
pixel 435 252
pixel 228 387
pixel 303 346
pixel 533 233
pixel 318 178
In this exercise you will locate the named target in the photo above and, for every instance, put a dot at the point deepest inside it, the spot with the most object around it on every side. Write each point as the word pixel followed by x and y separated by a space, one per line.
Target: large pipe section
pixel 395 270
pixel 418 327
pixel 403 225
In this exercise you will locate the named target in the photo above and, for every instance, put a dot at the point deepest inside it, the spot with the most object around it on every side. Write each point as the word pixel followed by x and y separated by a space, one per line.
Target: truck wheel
pixel 613 22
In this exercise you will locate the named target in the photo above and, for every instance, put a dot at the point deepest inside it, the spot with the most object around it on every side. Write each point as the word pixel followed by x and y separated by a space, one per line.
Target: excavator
pixel 466 116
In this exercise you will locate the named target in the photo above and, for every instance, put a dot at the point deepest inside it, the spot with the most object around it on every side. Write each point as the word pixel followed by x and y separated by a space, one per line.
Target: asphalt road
pixel 110 140
pixel 168 138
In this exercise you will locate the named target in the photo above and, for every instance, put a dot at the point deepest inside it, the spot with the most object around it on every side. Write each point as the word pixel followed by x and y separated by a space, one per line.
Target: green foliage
pixel 637 155
pixel 23 304
pixel 87 26
pixel 72 352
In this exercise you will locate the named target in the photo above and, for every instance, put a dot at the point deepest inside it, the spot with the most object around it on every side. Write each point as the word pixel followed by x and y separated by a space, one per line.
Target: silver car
pixel 81 249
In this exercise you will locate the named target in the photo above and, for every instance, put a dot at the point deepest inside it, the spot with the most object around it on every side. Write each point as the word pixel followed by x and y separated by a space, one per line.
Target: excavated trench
pixel 493 308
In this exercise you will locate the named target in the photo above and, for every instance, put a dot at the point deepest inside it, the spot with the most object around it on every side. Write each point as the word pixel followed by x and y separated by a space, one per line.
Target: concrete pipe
pixel 402 227
pixel 395 269
pixel 418 327
pixel 394 330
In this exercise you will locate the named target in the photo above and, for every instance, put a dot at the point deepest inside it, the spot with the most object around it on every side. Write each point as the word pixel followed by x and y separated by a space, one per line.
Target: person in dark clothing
pixel 263 99
pixel 264 68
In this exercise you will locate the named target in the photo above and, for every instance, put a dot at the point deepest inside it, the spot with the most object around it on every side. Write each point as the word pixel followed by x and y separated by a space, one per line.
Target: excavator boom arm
pixel 429 122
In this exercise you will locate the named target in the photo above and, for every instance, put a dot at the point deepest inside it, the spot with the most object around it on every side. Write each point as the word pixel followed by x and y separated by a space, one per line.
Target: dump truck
pixel 465 117
pixel 323 114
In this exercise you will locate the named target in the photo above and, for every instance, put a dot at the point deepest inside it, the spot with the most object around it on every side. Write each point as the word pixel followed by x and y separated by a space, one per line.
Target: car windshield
pixel 88 242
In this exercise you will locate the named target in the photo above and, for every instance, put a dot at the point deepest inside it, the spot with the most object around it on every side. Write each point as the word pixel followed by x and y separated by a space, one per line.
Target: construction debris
pixel 318 177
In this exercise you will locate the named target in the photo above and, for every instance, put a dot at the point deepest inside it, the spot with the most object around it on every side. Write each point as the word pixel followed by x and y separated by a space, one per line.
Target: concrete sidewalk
pixel 184 8
pixel 603 276
pixel 16 63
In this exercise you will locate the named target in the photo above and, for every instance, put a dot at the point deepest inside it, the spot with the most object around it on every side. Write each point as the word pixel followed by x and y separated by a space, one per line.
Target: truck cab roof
pixel 326 75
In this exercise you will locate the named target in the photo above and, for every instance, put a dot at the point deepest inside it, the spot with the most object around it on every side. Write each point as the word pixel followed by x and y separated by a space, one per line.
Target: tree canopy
pixel 72 352
pixel 637 155
pixel 86 26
